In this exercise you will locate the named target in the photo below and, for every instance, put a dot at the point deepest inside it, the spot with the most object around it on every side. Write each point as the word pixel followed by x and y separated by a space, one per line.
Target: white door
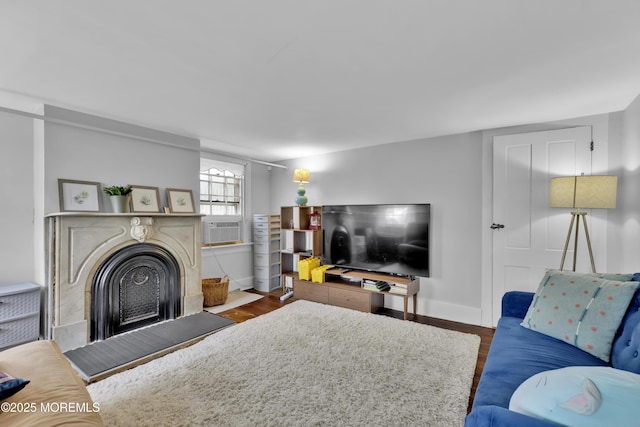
pixel 534 235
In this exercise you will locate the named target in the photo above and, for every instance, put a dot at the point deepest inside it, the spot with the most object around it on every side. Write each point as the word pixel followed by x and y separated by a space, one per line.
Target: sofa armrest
pixel 516 303
pixel 54 382
pixel 496 416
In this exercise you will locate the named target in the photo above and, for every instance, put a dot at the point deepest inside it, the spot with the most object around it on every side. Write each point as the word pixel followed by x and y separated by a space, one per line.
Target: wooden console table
pixel 343 288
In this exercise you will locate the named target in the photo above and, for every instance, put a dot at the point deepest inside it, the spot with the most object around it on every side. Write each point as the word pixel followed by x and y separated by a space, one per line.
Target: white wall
pixel 235 261
pixel 88 148
pixel 628 197
pixel 444 171
pixel 78 146
pixel 452 173
pixel 260 200
pixel 16 199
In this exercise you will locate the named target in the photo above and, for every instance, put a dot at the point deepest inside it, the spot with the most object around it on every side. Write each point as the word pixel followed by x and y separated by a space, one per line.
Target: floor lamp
pixel 582 192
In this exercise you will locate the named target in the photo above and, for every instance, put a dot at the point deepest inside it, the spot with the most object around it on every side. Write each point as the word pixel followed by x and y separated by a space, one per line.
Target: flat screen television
pixel 384 238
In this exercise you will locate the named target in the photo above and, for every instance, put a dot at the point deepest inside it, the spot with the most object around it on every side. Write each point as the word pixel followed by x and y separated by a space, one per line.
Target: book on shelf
pixel 375 285
pixel 398 290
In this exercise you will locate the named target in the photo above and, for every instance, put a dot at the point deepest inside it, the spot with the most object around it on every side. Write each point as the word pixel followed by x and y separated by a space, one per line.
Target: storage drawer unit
pixel 354 299
pixel 19 314
pixel 310 291
pixel 347 296
pixel 266 252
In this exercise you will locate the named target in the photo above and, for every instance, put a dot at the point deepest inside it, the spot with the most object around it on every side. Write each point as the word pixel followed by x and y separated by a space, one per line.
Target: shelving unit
pixel 266 252
pixel 298 241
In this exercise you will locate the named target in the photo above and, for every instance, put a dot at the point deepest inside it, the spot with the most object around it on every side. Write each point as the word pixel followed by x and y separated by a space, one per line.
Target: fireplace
pixel 136 286
pixel 112 273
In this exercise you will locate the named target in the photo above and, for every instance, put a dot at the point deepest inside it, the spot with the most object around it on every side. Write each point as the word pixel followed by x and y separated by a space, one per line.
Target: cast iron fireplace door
pixel 136 286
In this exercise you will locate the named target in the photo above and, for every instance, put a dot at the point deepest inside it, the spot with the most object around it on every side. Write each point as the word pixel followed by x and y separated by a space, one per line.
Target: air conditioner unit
pixel 214 232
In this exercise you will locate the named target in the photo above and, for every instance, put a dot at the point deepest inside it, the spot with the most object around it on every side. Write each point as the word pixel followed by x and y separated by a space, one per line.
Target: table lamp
pixel 301 176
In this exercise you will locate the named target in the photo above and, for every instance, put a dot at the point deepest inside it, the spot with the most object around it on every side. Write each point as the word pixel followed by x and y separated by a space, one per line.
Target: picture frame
pixel 180 201
pixel 144 199
pixel 79 196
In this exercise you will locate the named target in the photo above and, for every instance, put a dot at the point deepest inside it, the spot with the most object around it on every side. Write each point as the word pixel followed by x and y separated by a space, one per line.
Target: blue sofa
pixel 517 353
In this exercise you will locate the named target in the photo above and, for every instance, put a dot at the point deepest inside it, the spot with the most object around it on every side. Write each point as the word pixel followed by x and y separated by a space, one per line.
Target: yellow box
pixel 317 274
pixel 305 266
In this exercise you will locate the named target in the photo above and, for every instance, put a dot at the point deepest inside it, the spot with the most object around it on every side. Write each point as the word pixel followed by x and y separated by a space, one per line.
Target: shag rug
pixel 305 364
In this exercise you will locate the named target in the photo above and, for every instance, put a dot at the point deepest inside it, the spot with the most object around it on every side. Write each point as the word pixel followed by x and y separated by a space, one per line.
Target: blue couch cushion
pixel 516 303
pixel 516 354
pixel 625 353
pixel 626 349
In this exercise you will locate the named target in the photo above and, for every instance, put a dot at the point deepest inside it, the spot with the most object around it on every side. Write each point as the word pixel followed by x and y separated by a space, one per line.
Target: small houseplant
pixel 119 197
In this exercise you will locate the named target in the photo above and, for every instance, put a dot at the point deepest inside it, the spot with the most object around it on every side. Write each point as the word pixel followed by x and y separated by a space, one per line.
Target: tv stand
pixel 345 288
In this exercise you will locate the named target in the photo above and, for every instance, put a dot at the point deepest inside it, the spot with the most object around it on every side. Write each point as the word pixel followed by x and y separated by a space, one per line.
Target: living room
pixel 424 161
pixel 452 171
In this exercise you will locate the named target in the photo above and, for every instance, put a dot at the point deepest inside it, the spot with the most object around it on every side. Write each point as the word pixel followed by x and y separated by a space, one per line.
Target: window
pixel 221 187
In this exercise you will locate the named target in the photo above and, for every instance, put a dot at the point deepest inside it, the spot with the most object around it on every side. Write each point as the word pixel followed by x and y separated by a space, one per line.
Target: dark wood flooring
pixel 272 302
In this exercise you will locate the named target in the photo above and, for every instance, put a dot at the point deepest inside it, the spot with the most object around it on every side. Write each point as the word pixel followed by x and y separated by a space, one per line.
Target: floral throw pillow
pixel 583 310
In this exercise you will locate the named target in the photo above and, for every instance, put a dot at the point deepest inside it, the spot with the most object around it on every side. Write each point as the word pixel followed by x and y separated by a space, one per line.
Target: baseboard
pixel 438 309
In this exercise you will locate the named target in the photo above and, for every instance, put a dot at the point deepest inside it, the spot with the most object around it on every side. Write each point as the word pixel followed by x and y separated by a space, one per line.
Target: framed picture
pixel 144 199
pixel 79 196
pixel 180 201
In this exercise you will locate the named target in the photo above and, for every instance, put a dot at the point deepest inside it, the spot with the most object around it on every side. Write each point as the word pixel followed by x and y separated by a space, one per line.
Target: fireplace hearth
pixel 112 273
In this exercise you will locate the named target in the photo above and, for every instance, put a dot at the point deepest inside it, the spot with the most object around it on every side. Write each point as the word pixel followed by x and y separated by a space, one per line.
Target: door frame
pixel 600 124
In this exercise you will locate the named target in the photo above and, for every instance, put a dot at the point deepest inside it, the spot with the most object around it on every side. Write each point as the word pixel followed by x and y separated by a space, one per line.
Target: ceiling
pixel 280 79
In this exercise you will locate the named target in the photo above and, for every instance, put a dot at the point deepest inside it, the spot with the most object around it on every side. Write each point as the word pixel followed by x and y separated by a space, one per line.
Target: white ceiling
pixel 279 79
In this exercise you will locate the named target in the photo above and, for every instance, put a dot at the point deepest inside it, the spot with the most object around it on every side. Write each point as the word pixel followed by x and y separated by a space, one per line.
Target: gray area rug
pixel 100 358
pixel 305 364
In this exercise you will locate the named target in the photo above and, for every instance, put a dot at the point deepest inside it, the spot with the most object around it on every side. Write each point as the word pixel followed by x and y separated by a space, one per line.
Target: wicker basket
pixel 215 291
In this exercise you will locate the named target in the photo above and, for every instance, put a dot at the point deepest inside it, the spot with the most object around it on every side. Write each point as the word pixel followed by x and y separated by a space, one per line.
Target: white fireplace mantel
pixel 78 243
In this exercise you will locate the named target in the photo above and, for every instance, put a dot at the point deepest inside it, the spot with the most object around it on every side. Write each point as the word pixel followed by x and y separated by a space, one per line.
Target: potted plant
pixel 119 197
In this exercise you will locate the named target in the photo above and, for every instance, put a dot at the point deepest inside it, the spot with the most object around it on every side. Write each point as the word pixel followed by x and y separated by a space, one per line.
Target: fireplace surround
pixel 157 257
